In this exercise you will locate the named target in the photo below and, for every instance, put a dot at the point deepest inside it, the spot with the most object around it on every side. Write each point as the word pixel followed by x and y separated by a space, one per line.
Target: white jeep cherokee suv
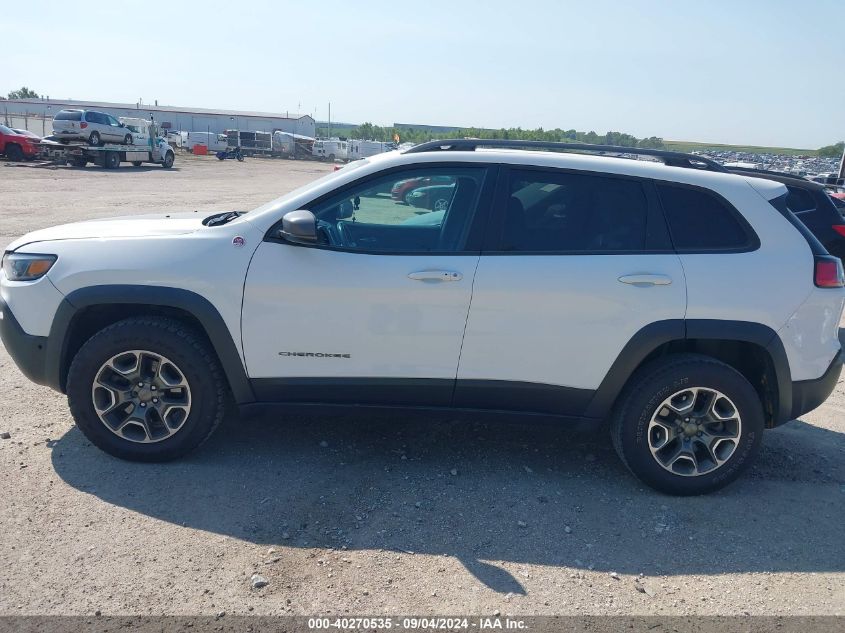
pixel 686 306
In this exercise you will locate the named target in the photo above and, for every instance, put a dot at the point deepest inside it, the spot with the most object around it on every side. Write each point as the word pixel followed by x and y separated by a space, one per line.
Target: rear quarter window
pixel 701 221
pixel 799 200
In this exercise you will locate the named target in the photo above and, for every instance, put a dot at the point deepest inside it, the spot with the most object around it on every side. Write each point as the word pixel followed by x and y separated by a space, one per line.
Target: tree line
pixel 414 135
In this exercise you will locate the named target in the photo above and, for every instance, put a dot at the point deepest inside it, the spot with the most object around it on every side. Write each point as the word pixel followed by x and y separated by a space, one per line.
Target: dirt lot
pixel 375 516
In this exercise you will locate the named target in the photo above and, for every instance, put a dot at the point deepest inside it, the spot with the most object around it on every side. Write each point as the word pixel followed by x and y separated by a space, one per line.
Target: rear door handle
pixel 646 280
pixel 436 275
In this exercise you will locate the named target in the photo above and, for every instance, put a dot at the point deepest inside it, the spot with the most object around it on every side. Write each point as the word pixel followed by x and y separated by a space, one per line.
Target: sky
pixel 761 72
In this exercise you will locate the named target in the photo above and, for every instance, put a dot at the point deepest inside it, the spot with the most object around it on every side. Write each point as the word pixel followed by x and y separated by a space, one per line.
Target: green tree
pixel 832 151
pixel 23 93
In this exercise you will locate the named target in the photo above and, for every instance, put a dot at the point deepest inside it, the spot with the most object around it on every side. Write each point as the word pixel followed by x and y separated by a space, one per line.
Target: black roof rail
pixel 769 172
pixel 673 159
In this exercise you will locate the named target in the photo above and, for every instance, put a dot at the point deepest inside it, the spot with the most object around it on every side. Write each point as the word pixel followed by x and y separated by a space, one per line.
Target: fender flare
pixel 652 336
pixel 196 305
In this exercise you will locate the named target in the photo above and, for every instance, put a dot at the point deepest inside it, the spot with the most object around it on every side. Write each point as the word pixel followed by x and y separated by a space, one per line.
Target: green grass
pixel 689 146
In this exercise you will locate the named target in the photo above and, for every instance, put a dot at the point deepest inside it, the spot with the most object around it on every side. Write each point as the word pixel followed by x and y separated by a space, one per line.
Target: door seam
pixel 464 334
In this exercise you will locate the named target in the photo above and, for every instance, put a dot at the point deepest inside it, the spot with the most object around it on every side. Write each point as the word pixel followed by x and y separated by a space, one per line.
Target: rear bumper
pixel 810 394
pixel 29 352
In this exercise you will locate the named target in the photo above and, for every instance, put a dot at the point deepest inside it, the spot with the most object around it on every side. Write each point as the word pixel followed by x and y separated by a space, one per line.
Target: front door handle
pixel 436 275
pixel 646 280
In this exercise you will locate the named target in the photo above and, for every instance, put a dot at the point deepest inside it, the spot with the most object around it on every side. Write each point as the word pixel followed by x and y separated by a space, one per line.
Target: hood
pixel 130 226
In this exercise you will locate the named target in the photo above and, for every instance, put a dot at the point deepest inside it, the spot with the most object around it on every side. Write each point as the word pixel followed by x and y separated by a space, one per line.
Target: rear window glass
pixel 799 200
pixel 700 221
pixel 67 115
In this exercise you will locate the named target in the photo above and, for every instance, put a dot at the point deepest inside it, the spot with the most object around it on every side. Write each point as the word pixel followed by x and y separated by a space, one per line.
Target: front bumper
pixel 29 352
pixel 810 394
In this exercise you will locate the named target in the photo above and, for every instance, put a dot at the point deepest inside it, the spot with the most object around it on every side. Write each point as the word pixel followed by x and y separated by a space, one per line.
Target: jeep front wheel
pixel 688 424
pixel 146 389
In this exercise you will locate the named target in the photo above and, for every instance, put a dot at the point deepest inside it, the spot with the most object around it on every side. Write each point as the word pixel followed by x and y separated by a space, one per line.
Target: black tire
pixel 127 140
pixel 240 158
pixel 168 160
pixel 94 139
pixel 14 152
pixel 136 163
pixel 111 160
pixel 79 161
pixel 657 381
pixel 173 340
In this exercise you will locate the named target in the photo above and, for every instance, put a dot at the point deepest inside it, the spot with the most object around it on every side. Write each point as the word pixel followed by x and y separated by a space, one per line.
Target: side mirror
pixel 299 227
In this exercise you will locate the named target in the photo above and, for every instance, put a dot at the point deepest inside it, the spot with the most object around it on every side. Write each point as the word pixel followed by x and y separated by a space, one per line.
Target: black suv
pixel 811 204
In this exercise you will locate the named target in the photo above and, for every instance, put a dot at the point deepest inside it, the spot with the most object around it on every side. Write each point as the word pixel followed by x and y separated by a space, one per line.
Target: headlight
pixel 26 266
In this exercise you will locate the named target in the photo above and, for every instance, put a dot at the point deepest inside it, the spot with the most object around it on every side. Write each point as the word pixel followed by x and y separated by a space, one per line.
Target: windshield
pixel 311 185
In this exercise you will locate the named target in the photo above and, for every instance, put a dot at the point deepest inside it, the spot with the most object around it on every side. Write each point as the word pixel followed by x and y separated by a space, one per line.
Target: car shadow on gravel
pixel 486 493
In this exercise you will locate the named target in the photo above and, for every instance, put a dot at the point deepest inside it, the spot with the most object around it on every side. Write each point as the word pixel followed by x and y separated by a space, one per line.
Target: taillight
pixel 83 125
pixel 839 228
pixel 828 272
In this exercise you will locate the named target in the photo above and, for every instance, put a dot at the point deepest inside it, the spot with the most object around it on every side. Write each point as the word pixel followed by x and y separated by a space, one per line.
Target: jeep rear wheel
pixel 146 389
pixel 687 424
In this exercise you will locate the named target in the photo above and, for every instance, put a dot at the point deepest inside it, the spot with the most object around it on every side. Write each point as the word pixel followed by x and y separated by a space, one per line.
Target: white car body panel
pixel 107 228
pixel 567 324
pixel 158 254
pixel 312 300
pixel 811 334
pixel 34 303
pixel 767 285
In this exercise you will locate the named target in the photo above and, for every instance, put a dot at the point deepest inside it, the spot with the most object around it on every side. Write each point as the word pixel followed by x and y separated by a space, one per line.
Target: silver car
pixel 92 126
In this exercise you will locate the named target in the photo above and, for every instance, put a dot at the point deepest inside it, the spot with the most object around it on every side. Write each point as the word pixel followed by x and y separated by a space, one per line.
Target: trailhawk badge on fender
pixel 238 241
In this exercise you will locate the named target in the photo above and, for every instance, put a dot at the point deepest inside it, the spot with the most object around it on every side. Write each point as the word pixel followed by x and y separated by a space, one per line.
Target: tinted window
pixel 699 220
pixel 5 130
pixel 799 200
pixel 421 210
pixel 94 117
pixel 559 212
pixel 67 115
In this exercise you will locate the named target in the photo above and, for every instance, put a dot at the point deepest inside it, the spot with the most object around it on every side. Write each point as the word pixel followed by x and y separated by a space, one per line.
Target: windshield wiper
pixel 222 218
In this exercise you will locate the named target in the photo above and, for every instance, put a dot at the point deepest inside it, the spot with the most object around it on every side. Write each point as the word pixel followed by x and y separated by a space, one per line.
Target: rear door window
pixel 562 212
pixel 701 221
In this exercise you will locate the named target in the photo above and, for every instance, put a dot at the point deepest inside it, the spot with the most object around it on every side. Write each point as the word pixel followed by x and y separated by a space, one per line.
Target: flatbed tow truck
pixel 147 147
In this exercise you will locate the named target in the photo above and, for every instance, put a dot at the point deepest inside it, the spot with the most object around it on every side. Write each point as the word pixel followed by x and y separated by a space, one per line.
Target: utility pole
pixel 330 119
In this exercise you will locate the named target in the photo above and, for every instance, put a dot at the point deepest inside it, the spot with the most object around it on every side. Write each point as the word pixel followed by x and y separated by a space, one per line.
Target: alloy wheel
pixel 141 396
pixel 694 431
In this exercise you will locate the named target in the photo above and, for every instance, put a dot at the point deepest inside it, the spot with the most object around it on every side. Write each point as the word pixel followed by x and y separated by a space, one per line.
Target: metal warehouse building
pixel 169 117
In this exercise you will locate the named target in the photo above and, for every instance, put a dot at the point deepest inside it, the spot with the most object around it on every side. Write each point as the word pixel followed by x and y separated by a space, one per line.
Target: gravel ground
pixel 383 515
